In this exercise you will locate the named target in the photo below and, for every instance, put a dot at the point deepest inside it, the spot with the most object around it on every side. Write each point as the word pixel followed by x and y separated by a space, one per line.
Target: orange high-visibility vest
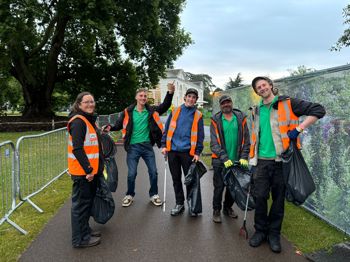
pixel 194 129
pixel 244 122
pixel 90 147
pixel 287 121
pixel 155 116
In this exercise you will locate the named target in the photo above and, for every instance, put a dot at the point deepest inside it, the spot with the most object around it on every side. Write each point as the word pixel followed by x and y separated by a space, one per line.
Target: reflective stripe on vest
pixel 194 129
pixel 90 147
pixel 244 122
pixel 155 116
pixel 125 123
pixel 287 121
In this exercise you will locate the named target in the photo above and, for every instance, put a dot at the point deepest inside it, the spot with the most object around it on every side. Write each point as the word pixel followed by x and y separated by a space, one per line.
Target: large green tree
pixel 234 83
pixel 344 40
pixel 106 47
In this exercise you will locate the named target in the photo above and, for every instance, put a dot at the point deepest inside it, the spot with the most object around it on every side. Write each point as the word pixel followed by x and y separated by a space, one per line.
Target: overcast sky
pixel 257 37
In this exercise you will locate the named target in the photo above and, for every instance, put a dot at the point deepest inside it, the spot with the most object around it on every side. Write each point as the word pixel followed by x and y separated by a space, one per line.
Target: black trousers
pixel 83 193
pixel 178 160
pixel 219 187
pixel 268 178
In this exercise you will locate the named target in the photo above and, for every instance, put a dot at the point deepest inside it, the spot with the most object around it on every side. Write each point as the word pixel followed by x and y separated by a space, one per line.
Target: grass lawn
pixel 307 232
pixel 13 243
pixel 13 136
pixel 206 121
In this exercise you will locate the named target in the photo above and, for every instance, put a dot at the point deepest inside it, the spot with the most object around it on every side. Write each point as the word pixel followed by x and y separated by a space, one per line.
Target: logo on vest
pixel 93 137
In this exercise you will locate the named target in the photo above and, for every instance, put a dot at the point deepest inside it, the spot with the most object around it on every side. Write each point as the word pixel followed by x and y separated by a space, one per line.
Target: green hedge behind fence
pixel 326 144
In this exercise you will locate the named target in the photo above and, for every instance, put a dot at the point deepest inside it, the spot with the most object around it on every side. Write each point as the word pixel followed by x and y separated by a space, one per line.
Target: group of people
pixel 273 124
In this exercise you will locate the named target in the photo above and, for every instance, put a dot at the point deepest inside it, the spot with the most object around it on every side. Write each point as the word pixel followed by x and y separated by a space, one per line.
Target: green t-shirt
pixel 140 132
pixel 266 146
pixel 230 129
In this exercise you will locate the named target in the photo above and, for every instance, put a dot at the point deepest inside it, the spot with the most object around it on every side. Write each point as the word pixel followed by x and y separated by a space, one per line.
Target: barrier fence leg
pixel 16 226
pixel 35 206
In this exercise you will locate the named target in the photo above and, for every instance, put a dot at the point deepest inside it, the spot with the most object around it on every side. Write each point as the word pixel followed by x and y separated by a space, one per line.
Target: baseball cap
pixel 224 98
pixel 191 91
pixel 256 79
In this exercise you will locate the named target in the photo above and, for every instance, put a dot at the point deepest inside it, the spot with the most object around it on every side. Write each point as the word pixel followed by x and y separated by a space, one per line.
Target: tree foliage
pixel 207 83
pixel 11 97
pixel 106 47
pixel 301 70
pixel 234 83
pixel 344 40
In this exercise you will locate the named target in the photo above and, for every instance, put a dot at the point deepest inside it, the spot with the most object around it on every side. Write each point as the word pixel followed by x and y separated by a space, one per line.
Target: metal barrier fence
pixel 8 184
pixel 40 160
pixel 107 119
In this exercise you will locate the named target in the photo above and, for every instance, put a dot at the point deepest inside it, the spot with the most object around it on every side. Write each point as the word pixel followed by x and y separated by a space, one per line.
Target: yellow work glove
pixel 243 163
pixel 228 163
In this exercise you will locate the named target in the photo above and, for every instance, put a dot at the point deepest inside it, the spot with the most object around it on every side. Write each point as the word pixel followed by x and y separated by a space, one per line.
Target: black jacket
pixel 77 129
pixel 155 133
pixel 220 150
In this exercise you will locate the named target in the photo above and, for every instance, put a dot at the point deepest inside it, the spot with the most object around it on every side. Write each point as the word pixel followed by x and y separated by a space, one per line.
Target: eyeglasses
pixel 88 102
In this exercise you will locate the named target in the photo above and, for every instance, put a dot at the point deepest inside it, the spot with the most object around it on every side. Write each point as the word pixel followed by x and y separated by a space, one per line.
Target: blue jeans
pixel 144 150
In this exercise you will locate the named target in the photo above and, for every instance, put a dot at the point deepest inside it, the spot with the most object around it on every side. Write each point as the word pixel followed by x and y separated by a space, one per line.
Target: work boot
pixel 275 243
pixel 177 210
pixel 229 212
pixel 93 241
pixel 257 239
pixel 216 216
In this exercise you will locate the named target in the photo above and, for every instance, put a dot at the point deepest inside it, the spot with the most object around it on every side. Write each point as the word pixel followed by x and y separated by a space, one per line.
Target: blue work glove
pixel 243 163
pixel 293 134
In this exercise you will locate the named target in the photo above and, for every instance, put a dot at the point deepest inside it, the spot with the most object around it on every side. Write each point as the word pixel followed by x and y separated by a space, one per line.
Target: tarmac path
pixel 143 232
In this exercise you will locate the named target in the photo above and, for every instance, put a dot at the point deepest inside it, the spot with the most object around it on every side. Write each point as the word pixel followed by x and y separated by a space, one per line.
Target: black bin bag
pixel 103 206
pixel 297 177
pixel 238 181
pixel 110 172
pixel 192 180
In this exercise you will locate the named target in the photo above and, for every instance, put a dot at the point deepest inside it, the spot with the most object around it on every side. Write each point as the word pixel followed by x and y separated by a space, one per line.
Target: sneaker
pixel 177 210
pixel 229 212
pixel 127 201
pixel 216 216
pixel 95 233
pixel 156 200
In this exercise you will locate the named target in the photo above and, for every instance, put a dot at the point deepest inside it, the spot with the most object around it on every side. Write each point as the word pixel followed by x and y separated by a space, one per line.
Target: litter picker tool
pixel 164 197
pixel 243 231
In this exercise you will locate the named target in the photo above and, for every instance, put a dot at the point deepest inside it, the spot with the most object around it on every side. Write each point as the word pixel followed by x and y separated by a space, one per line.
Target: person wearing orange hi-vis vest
pixel 85 162
pixel 142 128
pixel 183 142
pixel 229 142
pixel 274 123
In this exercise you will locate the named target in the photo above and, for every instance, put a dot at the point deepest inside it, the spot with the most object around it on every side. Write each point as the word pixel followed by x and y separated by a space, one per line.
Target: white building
pixel 181 85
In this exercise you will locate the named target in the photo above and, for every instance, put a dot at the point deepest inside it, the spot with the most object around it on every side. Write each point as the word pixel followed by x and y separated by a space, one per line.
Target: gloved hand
pixel 243 163
pixel 293 134
pixel 228 163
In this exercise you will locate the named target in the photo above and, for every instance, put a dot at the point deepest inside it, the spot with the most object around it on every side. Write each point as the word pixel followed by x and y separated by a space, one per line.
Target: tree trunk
pixel 37 104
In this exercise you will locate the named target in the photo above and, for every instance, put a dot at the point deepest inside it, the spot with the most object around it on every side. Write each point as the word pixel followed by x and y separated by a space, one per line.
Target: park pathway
pixel 142 232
